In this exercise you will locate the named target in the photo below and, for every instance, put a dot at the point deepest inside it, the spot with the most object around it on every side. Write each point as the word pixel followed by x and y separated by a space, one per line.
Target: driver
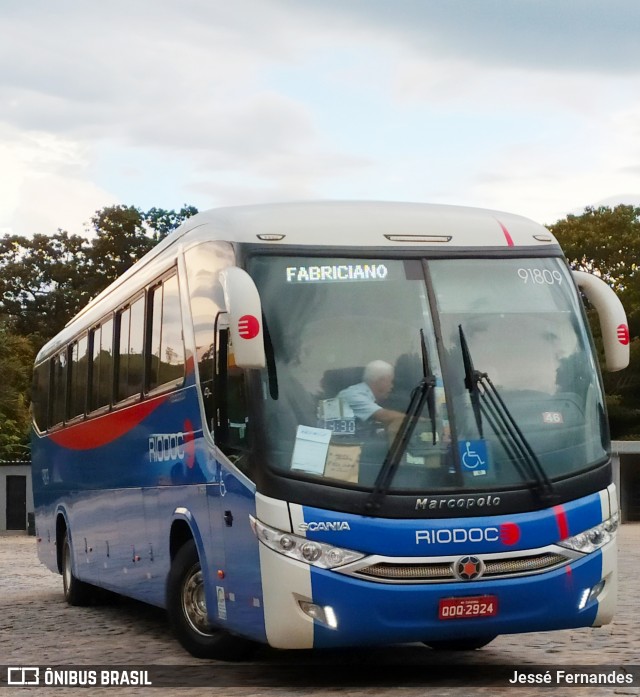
pixel 364 397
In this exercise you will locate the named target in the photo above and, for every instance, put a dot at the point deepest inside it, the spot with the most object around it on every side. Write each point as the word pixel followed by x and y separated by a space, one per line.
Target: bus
pixel 336 424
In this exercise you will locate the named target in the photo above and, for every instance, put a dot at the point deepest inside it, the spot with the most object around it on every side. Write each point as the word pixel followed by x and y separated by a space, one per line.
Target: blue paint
pixel 430 537
pixel 120 505
pixel 374 613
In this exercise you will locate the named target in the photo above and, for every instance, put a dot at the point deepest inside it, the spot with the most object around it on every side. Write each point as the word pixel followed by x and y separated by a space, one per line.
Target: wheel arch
pixel 62 526
pixel 184 528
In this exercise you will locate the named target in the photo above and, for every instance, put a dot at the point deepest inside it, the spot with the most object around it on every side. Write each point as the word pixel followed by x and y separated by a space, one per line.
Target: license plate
pixel 467 608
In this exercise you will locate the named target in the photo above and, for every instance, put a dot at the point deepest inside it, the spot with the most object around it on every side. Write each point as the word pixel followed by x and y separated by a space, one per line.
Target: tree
pixel 16 359
pixel 124 234
pixel 606 241
pixel 45 280
pixel 42 282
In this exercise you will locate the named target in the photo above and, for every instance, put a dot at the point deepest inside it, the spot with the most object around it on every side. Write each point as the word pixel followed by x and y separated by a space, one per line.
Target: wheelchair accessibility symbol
pixel 474 456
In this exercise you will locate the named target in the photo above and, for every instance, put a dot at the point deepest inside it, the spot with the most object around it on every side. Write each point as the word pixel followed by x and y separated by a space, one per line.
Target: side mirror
pixel 613 319
pixel 245 317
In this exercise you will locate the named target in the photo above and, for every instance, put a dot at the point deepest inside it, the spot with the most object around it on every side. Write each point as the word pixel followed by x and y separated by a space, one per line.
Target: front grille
pixel 443 571
pixel 408 572
pixel 520 565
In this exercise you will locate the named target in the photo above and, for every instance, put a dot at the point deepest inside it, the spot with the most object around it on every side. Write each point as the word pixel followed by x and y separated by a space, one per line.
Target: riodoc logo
pixel 623 334
pixel 507 533
pixel 248 327
pixel 169 447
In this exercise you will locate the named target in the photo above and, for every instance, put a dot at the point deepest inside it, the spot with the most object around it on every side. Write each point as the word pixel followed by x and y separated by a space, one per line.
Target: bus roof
pixel 366 224
pixel 362 224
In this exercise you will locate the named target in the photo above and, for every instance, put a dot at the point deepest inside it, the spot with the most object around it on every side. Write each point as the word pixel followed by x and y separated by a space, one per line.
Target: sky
pixel 528 106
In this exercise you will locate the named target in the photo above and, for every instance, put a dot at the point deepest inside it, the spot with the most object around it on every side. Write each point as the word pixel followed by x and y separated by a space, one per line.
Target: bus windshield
pixel 354 338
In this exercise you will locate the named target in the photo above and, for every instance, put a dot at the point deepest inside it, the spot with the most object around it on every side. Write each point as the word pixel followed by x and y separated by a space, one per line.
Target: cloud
pixel 154 102
pixel 44 183
pixel 552 35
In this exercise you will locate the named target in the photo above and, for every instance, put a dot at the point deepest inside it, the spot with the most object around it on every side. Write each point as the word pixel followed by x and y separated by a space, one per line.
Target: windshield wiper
pixel 422 394
pixel 485 398
pixel 472 378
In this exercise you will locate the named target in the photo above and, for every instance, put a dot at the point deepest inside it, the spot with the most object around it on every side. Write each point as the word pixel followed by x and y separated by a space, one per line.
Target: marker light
pixel 594 538
pixel 308 551
pixel 270 237
pixel 419 238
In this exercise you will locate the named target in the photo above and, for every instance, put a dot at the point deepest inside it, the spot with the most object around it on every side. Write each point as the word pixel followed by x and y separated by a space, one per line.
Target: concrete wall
pixel 625 456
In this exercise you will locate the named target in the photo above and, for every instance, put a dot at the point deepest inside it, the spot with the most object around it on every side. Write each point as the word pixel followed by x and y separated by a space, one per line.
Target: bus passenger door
pixel 242 599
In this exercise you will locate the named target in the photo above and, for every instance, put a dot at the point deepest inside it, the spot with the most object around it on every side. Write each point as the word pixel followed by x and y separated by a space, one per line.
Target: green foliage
pixel 46 279
pixel 606 241
pixel 16 358
pixel 41 284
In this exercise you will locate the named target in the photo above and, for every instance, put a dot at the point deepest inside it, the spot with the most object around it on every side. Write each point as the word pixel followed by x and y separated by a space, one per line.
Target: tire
pixel 187 611
pixel 76 592
pixel 467 644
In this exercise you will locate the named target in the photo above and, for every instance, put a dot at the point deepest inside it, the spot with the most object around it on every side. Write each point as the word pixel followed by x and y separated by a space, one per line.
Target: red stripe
pixel 103 430
pixel 507 236
pixel 562 522
pixel 95 433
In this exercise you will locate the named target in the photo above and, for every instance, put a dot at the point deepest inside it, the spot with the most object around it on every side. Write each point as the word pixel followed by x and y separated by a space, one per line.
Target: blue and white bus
pixel 336 424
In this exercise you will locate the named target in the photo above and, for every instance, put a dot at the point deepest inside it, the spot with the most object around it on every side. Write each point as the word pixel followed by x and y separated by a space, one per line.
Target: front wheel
pixel 76 592
pixel 466 644
pixel 187 610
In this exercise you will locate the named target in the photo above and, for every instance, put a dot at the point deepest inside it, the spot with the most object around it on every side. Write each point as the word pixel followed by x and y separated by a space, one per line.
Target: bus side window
pixel 167 356
pixel 101 370
pixel 130 345
pixel 231 411
pixel 78 377
pixel 58 401
pixel 40 395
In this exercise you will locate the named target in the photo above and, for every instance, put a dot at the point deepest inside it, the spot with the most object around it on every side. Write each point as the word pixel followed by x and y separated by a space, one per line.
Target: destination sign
pixel 338 272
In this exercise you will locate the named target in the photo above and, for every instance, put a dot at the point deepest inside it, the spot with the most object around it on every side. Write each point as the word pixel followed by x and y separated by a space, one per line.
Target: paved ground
pixel 38 628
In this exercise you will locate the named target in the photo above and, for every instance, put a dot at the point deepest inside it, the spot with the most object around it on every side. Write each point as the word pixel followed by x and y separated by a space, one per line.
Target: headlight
pixel 315 553
pixel 594 538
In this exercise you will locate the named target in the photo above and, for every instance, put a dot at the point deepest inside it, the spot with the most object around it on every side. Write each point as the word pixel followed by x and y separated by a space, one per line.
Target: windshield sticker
pixel 474 457
pixel 311 449
pixel 341 272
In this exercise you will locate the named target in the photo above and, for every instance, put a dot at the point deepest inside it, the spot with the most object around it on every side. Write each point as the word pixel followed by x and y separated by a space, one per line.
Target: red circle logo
pixel 509 533
pixel 623 334
pixel 248 327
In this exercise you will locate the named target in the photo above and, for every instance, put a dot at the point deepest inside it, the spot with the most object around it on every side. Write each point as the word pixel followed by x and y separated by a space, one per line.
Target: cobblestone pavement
pixel 38 628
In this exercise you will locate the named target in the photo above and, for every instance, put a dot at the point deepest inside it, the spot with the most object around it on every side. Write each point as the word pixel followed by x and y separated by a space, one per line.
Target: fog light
pixel 591 594
pixel 324 615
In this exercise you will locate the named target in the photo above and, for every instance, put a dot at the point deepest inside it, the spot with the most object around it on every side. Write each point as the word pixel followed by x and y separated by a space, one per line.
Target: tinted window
pixel 102 365
pixel 167 349
pixel 58 388
pixel 78 377
pixel 130 350
pixel 40 395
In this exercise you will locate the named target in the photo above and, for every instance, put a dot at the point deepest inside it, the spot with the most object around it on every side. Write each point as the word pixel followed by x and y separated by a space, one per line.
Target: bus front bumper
pixel 307 607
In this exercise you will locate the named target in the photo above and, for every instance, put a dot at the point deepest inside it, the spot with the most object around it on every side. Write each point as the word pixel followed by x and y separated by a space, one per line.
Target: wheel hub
pixel 194 603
